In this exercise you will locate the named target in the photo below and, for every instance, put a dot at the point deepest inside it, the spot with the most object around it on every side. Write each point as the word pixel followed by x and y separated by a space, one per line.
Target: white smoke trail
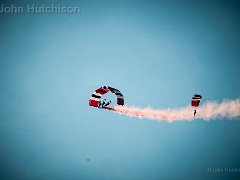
pixel 210 110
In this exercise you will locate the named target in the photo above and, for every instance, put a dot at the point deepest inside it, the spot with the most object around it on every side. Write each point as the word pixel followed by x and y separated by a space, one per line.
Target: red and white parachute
pixel 196 100
pixel 95 99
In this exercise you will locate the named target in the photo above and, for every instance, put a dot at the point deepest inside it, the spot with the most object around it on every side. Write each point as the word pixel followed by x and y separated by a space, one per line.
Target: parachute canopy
pixel 97 94
pixel 196 100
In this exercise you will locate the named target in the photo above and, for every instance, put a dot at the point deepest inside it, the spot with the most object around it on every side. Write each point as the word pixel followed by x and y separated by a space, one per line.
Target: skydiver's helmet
pixel 104 87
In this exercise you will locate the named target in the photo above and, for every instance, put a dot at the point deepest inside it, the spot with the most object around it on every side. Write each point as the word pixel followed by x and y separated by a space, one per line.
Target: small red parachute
pixel 95 99
pixel 196 100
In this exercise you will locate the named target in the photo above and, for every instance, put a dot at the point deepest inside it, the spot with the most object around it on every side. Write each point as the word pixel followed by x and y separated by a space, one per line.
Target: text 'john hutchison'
pixel 39 9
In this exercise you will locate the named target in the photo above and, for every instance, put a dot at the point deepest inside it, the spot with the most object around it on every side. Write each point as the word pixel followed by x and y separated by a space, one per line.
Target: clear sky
pixel 157 53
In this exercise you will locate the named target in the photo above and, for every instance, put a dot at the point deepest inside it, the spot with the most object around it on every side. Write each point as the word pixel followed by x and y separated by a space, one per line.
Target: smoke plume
pixel 229 109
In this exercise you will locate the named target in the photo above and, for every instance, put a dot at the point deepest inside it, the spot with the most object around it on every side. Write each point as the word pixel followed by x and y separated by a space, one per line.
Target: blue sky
pixel 157 53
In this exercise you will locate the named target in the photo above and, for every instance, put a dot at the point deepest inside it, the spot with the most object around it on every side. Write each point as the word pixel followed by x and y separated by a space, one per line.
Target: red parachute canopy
pixel 97 94
pixel 196 100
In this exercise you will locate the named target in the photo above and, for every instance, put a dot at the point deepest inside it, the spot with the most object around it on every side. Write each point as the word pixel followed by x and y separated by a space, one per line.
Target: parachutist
pixel 195 112
pixel 103 103
pixel 109 102
pixel 195 102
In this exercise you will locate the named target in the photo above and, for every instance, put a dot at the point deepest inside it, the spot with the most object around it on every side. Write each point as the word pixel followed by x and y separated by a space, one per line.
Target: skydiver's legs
pixel 99 104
